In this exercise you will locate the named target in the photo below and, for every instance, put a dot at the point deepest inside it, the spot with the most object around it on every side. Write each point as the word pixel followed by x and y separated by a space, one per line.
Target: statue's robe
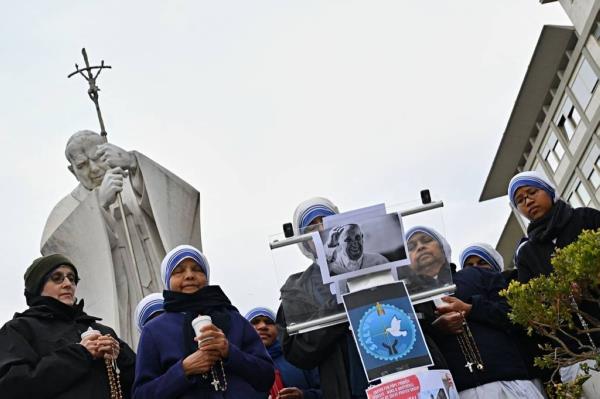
pixel 162 211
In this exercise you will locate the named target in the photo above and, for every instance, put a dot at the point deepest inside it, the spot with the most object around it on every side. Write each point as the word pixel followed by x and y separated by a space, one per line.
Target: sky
pixel 261 105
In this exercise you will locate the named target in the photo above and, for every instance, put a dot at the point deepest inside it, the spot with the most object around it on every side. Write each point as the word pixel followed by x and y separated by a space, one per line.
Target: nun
pixel 553 224
pixel 225 360
pixel 290 381
pixel 430 260
pixel 150 306
pixel 475 335
pixel 303 297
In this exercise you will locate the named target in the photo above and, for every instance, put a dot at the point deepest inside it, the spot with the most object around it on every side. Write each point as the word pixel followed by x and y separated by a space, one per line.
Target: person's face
pixel 187 277
pixel 266 329
pixel 426 254
pixel 353 241
pixel 533 202
pixel 315 225
pixel 87 167
pixel 61 285
pixel 476 261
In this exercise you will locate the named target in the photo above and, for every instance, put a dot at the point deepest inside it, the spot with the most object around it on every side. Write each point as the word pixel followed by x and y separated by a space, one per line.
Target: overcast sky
pixel 262 104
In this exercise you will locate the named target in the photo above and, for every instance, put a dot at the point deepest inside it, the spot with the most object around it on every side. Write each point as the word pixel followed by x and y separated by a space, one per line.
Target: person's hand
pixel 116 157
pixel 112 183
pixel 108 347
pixel 450 323
pixel 90 342
pixel 290 393
pixel 453 304
pixel 199 362
pixel 213 339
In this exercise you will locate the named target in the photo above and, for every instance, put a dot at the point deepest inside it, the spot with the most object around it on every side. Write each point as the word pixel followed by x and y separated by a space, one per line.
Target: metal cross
pixel 91 79
pixel 469 365
pixel 215 384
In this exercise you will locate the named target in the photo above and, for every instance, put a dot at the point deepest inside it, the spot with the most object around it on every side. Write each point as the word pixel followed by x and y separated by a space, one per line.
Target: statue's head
pixel 81 151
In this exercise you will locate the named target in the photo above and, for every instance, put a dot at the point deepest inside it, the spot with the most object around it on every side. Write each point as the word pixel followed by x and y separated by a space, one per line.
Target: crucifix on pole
pixel 90 74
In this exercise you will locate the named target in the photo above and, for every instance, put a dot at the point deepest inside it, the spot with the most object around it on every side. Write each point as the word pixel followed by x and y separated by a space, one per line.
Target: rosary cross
pixel 215 384
pixel 469 365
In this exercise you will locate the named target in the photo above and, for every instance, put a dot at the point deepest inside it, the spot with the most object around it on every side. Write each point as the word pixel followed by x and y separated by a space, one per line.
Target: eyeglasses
pixel 58 278
pixel 528 193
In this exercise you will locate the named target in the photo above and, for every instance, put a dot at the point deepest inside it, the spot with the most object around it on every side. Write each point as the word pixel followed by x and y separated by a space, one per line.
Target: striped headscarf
pixel 176 256
pixel 485 252
pixel 308 211
pixel 147 307
pixel 433 234
pixel 530 178
pixel 260 311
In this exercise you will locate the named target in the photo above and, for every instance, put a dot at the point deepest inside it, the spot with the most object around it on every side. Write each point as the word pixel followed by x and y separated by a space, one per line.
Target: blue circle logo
pixel 386 332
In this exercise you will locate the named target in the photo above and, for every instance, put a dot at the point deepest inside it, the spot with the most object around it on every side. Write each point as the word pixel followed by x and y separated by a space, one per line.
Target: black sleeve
pixel 25 374
pixel 309 349
pixel 524 272
pixel 125 361
pixel 593 218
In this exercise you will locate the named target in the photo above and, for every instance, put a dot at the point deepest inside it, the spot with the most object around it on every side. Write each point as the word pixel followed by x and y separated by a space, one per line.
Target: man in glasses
pixel 42 352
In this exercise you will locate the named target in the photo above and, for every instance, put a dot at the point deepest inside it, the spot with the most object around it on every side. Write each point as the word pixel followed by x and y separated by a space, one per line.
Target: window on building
pixel 553 152
pixel 579 195
pixel 590 167
pixel 568 118
pixel 594 176
pixel 585 83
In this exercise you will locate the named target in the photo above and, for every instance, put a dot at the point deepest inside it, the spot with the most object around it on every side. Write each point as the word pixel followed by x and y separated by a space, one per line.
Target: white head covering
pixel 531 178
pixel 260 311
pixel 176 256
pixel 485 252
pixel 148 306
pixel 433 234
pixel 306 212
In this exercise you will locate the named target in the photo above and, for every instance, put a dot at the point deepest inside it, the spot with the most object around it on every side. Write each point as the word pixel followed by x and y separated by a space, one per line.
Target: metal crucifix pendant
pixel 215 384
pixel 469 365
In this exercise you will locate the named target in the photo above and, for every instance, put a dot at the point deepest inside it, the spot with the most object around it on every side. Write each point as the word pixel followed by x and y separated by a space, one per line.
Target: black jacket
pixel 331 349
pixel 490 328
pixel 559 228
pixel 40 355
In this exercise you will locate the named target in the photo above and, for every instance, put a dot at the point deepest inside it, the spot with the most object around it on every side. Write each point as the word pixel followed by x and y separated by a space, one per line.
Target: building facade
pixel 554 126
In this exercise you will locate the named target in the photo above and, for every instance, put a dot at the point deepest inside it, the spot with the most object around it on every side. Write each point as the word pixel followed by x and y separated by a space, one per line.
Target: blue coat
pixel 159 370
pixel 292 376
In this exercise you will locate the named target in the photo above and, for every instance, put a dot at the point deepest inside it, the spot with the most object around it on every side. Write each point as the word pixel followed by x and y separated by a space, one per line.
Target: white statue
pixel 162 211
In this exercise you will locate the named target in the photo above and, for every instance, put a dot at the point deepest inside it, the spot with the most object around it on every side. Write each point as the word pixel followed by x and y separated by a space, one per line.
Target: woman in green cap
pixel 53 349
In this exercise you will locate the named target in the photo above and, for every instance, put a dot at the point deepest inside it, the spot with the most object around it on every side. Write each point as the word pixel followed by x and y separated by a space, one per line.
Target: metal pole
pixel 337 318
pixel 308 236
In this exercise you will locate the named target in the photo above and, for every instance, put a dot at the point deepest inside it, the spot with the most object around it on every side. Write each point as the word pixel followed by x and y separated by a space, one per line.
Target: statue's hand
pixel 112 183
pixel 116 157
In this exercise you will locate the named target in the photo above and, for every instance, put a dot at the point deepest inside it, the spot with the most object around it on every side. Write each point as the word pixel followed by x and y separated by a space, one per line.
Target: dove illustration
pixel 394 328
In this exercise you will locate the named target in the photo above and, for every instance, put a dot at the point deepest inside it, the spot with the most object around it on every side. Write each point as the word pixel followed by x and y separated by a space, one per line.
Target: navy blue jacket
pixel 159 370
pixel 293 377
pixel 491 330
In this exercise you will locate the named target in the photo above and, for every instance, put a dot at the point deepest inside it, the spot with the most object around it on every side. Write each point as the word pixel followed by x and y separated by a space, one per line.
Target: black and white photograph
pixel 361 246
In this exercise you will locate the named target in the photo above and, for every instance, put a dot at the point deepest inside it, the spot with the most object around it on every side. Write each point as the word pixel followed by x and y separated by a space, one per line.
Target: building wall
pixel 578 12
